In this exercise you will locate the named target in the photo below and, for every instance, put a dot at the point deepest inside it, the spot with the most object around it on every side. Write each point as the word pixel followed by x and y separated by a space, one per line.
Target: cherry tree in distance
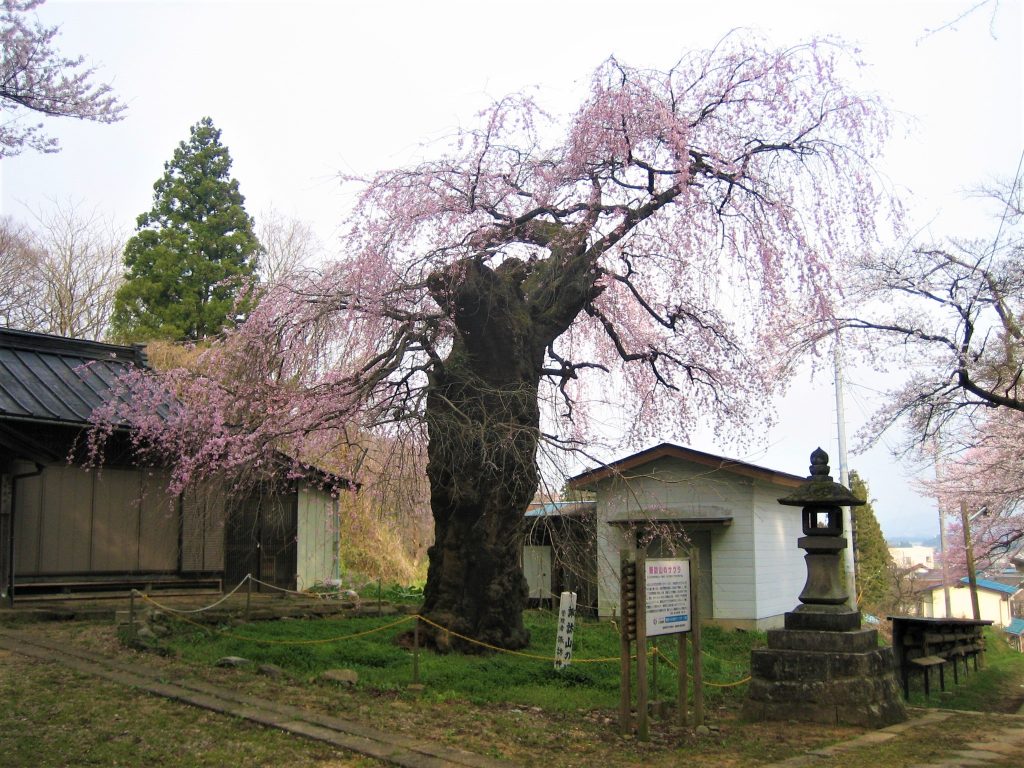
pixel 36 78
pixel 655 250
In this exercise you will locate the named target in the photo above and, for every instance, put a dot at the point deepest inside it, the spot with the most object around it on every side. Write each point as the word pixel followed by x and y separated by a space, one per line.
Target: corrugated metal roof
pixel 557 508
pixel 1016 627
pixel 57 380
pixel 995 586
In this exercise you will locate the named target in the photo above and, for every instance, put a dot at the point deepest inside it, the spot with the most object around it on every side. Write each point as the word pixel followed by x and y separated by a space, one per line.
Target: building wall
pixel 203 520
pixel 907 557
pixel 317 560
pixel 70 521
pixel 992 606
pixel 781 573
pixel 672 489
pixel 537 570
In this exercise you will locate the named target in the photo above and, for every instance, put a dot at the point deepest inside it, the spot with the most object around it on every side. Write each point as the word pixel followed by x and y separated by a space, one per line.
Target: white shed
pixel 995 601
pixel 752 571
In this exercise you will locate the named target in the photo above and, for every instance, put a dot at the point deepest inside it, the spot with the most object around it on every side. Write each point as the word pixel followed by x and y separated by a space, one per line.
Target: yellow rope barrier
pixel 425 620
pixel 523 654
pixel 268 641
pixel 706 682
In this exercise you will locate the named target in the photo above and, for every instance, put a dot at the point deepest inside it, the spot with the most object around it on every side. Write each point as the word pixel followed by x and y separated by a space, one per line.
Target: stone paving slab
pixel 1008 742
pixel 355 737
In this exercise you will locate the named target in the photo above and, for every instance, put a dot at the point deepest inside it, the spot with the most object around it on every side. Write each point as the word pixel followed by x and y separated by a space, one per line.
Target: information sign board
pixel 667 595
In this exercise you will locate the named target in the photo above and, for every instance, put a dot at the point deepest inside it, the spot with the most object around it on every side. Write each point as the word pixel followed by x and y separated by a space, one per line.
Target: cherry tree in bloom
pixel 650 251
pixel 987 475
pixel 950 314
pixel 36 78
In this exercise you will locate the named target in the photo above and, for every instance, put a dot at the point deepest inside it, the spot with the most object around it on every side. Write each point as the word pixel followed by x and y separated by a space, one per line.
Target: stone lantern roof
pixel 820 489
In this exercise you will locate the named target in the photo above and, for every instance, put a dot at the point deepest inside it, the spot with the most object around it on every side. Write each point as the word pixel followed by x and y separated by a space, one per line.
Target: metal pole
pixel 248 595
pixel 972 576
pixel 849 561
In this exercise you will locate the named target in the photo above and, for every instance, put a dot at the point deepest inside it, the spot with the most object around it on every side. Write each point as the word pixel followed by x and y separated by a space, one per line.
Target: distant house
pixel 752 571
pixel 65 528
pixel 1015 634
pixel 916 559
pixel 994 601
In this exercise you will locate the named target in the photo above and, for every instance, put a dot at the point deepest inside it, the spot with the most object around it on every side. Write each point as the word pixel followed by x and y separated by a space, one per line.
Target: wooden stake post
pixel 698 663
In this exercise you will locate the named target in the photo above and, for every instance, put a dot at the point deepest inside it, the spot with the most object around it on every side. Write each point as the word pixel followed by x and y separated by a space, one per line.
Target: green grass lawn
pixel 305 648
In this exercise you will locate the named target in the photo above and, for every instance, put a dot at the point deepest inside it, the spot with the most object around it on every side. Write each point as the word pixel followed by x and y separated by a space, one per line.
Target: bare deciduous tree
pixel 18 260
pixel 290 245
pixel 59 274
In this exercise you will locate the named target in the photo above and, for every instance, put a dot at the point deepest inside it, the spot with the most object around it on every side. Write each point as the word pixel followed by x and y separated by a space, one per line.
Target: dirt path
pixel 388 747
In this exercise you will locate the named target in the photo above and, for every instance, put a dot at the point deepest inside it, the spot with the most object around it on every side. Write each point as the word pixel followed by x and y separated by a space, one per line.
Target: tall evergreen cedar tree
pixel 874 563
pixel 193 254
pixel 652 257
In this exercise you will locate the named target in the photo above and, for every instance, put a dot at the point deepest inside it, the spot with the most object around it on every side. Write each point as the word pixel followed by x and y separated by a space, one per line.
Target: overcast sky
pixel 303 91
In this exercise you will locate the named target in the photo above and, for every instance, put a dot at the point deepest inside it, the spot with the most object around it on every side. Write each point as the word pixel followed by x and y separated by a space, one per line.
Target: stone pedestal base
pixel 824 677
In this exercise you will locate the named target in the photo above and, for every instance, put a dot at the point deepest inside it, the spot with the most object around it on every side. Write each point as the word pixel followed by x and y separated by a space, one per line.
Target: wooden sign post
pixel 566 628
pixel 657 598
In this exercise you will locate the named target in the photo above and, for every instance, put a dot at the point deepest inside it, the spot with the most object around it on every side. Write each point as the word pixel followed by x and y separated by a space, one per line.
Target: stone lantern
pixel 822 667
pixel 824 598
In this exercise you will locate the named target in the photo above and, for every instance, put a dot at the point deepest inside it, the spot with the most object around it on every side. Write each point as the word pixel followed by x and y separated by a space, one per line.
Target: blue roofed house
pixel 995 601
pixel 1015 632
pixel 560 552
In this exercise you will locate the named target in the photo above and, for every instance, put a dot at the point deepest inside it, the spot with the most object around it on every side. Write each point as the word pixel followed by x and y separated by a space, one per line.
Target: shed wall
pixel 317 537
pixel 781 572
pixel 670 489
pixel 68 520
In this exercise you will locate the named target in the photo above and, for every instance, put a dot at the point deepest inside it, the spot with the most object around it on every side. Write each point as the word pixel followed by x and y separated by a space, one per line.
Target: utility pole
pixel 972 576
pixel 849 562
pixel 945 562
pixel 942 536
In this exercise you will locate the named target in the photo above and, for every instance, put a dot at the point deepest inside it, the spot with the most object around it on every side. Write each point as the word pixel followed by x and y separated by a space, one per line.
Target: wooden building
pixel 64 527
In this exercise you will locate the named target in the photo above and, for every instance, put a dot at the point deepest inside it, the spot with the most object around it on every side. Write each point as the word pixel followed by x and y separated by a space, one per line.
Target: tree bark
pixel 483 423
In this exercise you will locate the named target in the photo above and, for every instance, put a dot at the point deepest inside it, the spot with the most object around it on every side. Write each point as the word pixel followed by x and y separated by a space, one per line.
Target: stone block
pixel 795 682
pixel 345 677
pixel 823 620
pixel 809 640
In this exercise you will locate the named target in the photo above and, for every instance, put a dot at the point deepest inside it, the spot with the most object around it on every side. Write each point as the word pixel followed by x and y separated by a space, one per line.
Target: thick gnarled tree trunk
pixel 482 472
pixel 483 424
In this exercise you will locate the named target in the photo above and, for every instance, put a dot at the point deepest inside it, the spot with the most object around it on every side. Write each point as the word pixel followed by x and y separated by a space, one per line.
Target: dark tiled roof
pixel 57 380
